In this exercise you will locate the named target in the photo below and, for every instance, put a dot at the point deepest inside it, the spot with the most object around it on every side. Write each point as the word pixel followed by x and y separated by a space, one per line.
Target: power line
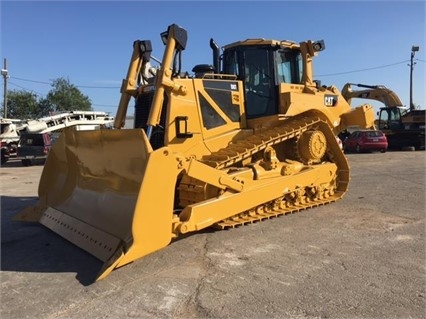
pixel 116 87
pixel 27 80
pixel 367 69
pixel 24 88
pixel 79 86
pixel 40 94
pixel 329 74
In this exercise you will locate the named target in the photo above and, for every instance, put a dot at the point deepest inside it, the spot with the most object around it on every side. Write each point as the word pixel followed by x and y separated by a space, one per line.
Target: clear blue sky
pixel 90 43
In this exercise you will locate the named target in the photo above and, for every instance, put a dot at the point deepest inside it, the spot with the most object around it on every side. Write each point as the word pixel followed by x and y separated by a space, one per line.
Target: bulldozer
pixel 249 137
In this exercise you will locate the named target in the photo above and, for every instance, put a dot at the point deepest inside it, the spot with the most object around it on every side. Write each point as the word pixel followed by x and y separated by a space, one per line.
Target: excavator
pixel 249 137
pixel 404 128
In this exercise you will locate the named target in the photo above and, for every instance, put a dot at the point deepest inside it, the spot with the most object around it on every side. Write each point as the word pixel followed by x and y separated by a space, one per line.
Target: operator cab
pixel 262 67
pixel 390 118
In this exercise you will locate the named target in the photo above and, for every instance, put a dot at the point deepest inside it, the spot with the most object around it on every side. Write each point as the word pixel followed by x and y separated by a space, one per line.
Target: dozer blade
pixel 109 193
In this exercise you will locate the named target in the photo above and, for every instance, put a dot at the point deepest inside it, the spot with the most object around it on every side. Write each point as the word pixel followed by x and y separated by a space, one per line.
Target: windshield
pixel 289 66
pixel 390 118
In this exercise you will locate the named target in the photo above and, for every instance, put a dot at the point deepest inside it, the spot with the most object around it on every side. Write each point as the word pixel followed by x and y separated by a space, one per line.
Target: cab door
pixel 254 66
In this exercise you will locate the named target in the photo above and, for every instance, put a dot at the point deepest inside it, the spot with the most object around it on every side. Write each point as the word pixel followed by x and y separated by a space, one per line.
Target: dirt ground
pixel 360 257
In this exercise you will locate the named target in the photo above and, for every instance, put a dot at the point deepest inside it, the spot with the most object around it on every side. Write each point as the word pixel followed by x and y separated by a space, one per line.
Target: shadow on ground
pixel 31 247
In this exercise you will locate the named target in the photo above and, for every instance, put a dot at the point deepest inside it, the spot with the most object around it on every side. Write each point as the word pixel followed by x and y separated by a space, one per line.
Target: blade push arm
pixel 140 57
pixel 175 40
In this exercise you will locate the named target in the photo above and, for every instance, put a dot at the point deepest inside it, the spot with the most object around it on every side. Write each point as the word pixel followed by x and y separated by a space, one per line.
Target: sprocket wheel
pixel 312 146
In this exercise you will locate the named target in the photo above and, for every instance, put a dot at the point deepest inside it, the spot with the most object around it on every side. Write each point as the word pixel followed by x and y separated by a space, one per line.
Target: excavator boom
pixel 373 92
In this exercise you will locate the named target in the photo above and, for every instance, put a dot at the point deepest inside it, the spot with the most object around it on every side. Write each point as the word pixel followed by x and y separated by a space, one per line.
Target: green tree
pixel 66 97
pixel 21 104
pixel 63 97
pixel 45 108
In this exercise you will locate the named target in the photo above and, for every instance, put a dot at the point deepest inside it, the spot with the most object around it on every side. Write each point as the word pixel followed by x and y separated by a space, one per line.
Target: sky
pixel 90 42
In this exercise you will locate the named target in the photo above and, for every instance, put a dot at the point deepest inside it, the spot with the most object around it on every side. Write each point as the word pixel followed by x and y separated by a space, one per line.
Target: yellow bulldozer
pixel 249 137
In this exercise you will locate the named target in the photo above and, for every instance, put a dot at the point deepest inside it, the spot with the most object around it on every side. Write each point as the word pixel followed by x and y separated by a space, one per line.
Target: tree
pixel 45 108
pixel 63 97
pixel 21 104
pixel 66 97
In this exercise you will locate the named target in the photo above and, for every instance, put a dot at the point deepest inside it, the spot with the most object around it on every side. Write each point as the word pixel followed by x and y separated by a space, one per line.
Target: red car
pixel 366 141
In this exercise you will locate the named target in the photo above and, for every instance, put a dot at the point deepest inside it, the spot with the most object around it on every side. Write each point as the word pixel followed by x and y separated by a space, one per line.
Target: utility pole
pixel 414 49
pixel 5 76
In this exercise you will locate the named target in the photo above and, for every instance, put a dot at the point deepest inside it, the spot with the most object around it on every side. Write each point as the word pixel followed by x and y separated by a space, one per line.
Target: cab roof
pixel 261 41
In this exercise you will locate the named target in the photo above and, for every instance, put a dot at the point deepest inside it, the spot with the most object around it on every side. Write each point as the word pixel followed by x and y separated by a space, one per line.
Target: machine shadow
pixel 31 247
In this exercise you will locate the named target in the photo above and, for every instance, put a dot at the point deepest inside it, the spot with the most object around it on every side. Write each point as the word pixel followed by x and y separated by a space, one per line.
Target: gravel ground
pixel 361 257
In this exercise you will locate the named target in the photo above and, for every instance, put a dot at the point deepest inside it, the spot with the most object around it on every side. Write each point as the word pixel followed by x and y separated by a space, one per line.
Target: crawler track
pixel 307 196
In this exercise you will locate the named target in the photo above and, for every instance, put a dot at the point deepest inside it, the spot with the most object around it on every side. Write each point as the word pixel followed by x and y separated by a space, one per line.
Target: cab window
pixel 289 66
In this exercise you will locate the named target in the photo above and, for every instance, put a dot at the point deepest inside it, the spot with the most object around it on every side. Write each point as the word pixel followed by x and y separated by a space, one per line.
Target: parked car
pixel 339 141
pixel 366 141
pixel 34 148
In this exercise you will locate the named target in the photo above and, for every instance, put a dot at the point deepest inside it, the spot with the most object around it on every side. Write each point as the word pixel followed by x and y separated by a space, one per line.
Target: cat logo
pixel 330 100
